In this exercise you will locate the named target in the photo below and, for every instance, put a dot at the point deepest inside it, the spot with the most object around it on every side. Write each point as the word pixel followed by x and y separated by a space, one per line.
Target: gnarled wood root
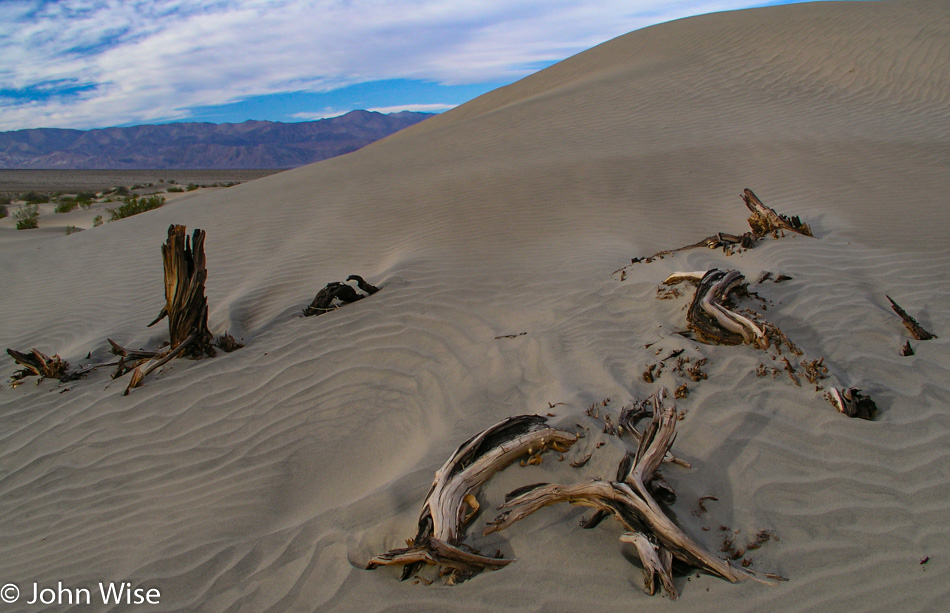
pixel 629 500
pixel 444 513
pixel 711 316
pixel 337 293
pixel 36 363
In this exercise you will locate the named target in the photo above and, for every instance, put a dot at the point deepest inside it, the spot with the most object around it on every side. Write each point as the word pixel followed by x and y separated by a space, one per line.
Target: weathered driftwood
pixel 852 402
pixel 719 240
pixel 337 293
pixel 36 363
pixel 906 349
pixel 451 504
pixel 916 330
pixel 711 316
pixel 765 220
pixel 630 501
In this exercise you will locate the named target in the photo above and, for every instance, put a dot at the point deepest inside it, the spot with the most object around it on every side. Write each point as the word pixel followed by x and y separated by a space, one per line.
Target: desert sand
pixel 264 479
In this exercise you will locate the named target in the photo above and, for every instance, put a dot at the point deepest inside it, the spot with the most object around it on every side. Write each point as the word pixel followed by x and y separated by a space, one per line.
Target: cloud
pixel 155 60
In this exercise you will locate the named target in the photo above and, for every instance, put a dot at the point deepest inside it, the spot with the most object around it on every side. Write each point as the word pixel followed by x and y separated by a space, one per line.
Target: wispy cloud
pixel 415 108
pixel 155 60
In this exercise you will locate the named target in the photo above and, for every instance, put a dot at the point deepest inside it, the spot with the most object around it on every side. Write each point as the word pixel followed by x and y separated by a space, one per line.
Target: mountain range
pixel 251 144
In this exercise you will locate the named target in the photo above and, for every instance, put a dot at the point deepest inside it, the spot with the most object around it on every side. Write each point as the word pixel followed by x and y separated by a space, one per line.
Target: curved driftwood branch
pixel 711 316
pixel 765 220
pixel 443 518
pixel 629 500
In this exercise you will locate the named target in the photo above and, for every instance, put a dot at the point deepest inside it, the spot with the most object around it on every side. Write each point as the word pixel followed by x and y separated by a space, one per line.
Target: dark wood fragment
pixel 916 330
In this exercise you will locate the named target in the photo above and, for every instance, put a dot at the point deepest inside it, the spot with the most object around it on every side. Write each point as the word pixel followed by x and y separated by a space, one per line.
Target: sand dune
pixel 264 479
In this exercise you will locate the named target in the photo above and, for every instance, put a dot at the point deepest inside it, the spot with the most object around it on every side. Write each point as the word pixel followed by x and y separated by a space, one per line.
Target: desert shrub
pixel 5 199
pixel 175 189
pixel 3 211
pixel 34 198
pixel 97 221
pixel 119 191
pixel 133 205
pixel 192 187
pixel 65 205
pixel 72 230
pixel 27 217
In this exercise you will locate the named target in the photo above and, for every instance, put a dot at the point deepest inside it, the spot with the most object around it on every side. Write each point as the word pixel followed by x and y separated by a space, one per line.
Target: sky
pixel 98 63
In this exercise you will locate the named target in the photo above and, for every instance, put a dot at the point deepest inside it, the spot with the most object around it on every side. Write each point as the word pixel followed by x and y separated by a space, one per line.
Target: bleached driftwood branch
pixel 711 316
pixel 451 502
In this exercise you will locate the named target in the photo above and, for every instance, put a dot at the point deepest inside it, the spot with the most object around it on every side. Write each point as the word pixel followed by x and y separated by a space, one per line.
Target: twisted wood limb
pixel 443 516
pixel 629 500
pixel 710 315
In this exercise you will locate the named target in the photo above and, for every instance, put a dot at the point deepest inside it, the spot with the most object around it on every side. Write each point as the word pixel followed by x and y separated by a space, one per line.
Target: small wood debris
pixel 510 335
pixel 681 392
pixel 906 349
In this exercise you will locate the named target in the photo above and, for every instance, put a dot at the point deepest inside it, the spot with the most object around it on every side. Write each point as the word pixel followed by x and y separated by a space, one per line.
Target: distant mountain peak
pixel 249 144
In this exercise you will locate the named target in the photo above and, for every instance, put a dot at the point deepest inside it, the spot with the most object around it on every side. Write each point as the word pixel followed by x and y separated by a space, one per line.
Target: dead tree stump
pixel 185 306
pixel 185 303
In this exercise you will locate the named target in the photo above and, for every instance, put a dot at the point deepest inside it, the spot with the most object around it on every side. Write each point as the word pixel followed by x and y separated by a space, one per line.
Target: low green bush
pixel 3 211
pixel 175 189
pixel 133 205
pixel 27 217
pixel 5 199
pixel 34 198
pixel 65 205
pixel 97 221
pixel 192 187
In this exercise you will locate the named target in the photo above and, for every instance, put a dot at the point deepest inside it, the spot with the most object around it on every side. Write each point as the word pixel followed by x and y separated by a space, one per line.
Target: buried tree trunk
pixel 630 501
pixel 451 502
pixel 711 316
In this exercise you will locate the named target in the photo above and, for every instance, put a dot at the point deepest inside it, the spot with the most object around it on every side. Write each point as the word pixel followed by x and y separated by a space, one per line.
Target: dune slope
pixel 264 479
